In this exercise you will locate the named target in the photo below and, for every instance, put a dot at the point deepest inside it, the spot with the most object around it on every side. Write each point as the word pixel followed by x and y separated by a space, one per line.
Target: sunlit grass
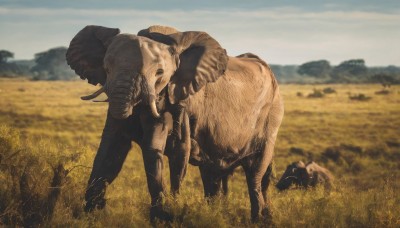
pixel 48 123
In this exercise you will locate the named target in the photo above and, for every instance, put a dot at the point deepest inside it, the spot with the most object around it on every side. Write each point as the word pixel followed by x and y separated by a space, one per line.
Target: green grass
pixel 45 123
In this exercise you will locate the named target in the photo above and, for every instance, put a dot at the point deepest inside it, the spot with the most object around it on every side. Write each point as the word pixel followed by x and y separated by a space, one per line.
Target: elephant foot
pixel 97 204
pixel 159 213
pixel 175 193
pixel 94 195
pixel 265 217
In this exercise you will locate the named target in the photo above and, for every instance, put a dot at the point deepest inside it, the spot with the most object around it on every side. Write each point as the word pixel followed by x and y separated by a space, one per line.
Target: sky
pixel 279 31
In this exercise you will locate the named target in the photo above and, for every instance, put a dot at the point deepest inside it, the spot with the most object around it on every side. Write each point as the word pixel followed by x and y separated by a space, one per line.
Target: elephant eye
pixel 159 72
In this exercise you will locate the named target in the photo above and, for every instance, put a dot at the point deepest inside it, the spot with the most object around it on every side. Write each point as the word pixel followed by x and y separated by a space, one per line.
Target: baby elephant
pixel 305 175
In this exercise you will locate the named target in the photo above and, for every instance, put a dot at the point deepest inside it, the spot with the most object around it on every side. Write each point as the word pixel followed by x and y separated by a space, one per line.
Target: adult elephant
pixel 233 104
pixel 86 55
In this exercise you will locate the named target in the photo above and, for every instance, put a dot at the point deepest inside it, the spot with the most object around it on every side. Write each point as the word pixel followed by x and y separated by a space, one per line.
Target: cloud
pixel 281 35
pixel 272 13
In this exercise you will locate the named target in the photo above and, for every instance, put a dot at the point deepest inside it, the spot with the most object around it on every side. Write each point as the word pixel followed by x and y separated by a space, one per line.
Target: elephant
pixel 232 105
pixel 212 186
pixel 199 158
pixel 305 175
pixel 85 55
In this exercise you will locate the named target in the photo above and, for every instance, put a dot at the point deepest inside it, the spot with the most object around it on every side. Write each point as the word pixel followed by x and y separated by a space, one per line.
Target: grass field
pixel 45 124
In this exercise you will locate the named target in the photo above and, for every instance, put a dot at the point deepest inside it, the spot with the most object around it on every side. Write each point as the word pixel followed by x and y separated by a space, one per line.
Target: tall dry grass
pixel 47 132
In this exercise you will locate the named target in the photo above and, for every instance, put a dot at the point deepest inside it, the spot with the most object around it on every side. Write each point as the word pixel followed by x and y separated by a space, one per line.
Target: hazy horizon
pixel 284 32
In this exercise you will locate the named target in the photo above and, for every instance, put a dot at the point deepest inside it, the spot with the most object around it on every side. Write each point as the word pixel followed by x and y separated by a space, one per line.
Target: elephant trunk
pixel 120 100
pixel 123 93
pixel 126 93
pixel 285 182
pixel 282 186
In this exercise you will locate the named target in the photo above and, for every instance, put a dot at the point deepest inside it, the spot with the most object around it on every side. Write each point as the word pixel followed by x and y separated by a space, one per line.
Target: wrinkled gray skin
pixel 217 180
pixel 309 175
pixel 199 158
pixel 233 106
pixel 156 136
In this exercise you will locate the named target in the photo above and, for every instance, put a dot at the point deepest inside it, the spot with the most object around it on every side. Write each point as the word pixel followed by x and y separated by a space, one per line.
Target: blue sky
pixel 280 31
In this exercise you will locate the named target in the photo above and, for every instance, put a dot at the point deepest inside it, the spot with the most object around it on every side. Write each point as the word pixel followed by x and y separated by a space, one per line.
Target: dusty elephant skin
pixel 233 106
pixel 305 175
pixel 199 158
pixel 217 180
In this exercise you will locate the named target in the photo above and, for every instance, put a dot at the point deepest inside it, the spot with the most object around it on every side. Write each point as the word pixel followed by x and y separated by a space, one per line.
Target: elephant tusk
pixel 154 108
pixel 106 100
pixel 93 95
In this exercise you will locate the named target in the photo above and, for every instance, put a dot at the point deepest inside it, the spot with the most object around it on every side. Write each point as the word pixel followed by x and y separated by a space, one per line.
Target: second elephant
pixel 305 175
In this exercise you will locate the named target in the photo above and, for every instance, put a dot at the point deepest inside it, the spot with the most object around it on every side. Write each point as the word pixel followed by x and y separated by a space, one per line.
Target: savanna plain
pixel 49 137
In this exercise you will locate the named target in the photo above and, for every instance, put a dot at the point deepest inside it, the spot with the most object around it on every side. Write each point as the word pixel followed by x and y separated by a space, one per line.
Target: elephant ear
pixel 160 29
pixel 299 164
pixel 314 178
pixel 248 55
pixel 87 50
pixel 313 173
pixel 201 60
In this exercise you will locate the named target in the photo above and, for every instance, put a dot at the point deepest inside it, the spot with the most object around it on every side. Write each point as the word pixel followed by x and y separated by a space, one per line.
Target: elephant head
pixel 295 173
pixel 134 69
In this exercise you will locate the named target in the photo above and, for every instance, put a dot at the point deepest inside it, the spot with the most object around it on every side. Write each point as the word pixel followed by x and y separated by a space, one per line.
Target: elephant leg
pixel 179 146
pixel 114 147
pixel 225 184
pixel 255 172
pixel 256 197
pixel 265 184
pixel 153 145
pixel 211 182
pixel 178 166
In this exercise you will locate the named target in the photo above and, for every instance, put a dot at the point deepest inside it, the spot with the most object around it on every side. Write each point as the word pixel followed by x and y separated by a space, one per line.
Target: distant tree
pixel 392 69
pixel 5 56
pixel 285 73
pixel 52 65
pixel 10 69
pixel 320 68
pixel 384 79
pixel 350 70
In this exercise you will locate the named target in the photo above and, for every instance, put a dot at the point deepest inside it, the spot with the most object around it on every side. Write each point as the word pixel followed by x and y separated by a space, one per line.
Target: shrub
pixel 393 144
pixel 382 92
pixel 328 90
pixel 332 153
pixel 298 151
pixel 316 94
pixel 352 148
pixel 359 97
pixel 33 177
